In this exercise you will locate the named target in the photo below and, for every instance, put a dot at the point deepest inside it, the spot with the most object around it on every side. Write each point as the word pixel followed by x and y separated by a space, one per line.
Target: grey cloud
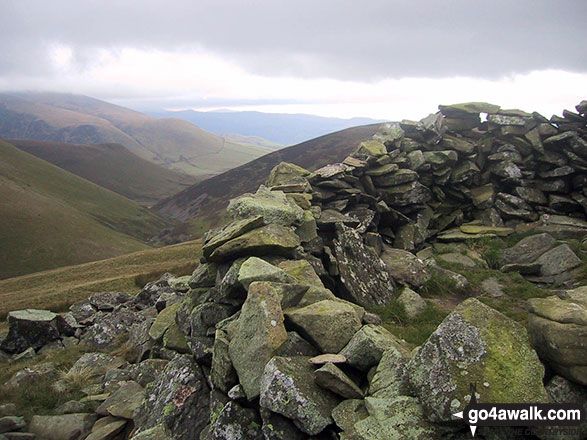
pixel 360 40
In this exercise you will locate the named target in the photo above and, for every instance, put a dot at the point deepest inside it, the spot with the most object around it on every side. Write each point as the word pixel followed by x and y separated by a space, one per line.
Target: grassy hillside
pixel 51 218
pixel 57 289
pixel 173 143
pixel 203 204
pixel 111 166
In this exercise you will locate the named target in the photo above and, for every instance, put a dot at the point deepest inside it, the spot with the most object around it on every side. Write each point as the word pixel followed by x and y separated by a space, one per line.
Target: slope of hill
pixel 283 128
pixel 173 143
pixel 56 289
pixel 51 218
pixel 111 166
pixel 207 199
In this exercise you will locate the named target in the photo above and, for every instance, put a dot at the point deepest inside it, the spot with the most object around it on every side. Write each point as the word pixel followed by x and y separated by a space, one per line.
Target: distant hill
pixel 205 201
pixel 282 128
pixel 253 140
pixel 173 143
pixel 111 166
pixel 51 218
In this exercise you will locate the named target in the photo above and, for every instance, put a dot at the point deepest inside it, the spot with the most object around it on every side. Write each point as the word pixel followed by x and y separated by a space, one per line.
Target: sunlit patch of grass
pixel 415 331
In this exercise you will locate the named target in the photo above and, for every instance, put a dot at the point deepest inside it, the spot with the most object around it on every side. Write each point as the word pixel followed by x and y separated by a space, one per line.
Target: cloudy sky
pixel 386 59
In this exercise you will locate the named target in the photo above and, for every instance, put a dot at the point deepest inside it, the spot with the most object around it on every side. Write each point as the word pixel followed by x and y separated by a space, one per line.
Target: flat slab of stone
pixel 328 358
pixel 527 250
pixel 67 426
pixel 558 260
pixel 216 238
pixel 332 378
pixel 269 240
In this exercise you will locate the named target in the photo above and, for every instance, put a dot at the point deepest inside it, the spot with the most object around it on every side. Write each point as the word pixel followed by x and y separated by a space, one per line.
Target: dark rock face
pixel 179 398
pixel 30 328
pixel 362 273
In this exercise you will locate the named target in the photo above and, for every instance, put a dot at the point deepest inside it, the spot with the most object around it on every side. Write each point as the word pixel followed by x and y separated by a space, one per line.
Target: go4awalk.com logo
pixel 520 414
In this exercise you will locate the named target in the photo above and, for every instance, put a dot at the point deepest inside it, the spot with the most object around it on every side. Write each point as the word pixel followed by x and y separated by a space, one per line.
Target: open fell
pixel 58 288
pixel 111 166
pixel 51 218
pixel 173 143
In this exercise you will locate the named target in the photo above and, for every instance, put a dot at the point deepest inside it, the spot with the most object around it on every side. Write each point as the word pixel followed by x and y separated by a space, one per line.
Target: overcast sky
pixel 386 59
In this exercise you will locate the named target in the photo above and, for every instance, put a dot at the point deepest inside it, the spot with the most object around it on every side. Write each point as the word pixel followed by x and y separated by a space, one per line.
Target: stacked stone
pixel 417 180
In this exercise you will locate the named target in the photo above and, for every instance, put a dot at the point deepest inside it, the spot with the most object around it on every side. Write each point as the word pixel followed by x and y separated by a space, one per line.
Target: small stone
pixel 328 358
pixel 332 378
pixel 412 303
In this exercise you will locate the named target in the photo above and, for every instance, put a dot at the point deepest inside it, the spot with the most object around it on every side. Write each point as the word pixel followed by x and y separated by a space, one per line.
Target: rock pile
pixel 270 337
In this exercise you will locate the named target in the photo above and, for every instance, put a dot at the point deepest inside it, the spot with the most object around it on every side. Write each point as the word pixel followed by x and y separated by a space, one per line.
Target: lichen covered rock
pixel 288 388
pixel 475 344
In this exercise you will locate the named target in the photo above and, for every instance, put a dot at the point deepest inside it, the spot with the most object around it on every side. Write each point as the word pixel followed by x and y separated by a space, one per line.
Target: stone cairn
pixel 270 337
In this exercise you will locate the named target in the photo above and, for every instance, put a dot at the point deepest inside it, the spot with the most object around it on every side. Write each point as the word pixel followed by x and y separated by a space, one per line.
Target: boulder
pixel 394 419
pixel 123 402
pixel 346 414
pixel 362 273
pixel 329 324
pixel 332 378
pixel 288 388
pixel 561 390
pixel 165 319
pixel 273 206
pixel 366 347
pixel 260 332
pixel 215 238
pixel 30 328
pixel 11 423
pixel 558 331
pixel 272 239
pixel 103 430
pixel 302 272
pixel 159 432
pixel 222 374
pixel 107 301
pixel 256 269
pixel 235 422
pixel 109 326
pixel 178 399
pixel 203 276
pixel 390 379
pixel 67 426
pixel 413 304
pixel 558 260
pixel 475 344
pixel 277 427
pixel 405 267
pixel 527 250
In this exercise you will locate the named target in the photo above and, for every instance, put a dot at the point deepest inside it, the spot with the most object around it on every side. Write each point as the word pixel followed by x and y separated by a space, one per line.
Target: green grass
pixel 57 289
pixel 415 331
pixel 51 218
pixel 113 167
pixel 41 398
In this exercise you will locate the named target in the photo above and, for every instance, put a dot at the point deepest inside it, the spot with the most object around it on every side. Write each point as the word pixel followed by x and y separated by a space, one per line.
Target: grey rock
pixel 366 347
pixel 68 426
pixel 288 388
pixel 527 250
pixel 332 378
pixel 179 399
pixel 260 333
pixel 30 328
pixel 362 273
pixel 558 260
pixel 475 341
